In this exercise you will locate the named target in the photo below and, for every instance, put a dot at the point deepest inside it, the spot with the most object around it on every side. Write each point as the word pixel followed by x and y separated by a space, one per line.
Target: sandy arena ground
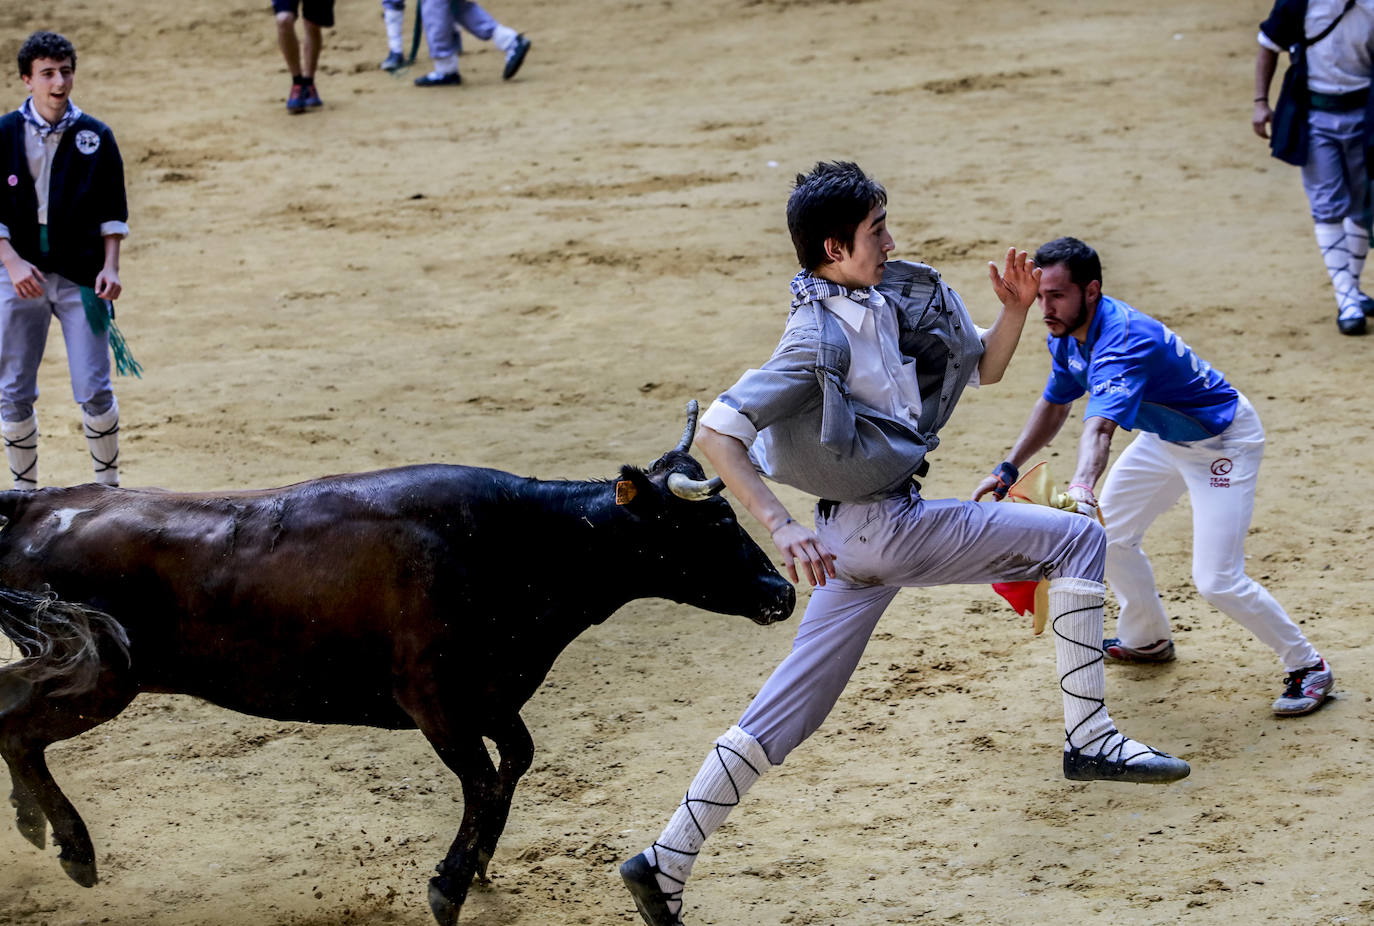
pixel 536 276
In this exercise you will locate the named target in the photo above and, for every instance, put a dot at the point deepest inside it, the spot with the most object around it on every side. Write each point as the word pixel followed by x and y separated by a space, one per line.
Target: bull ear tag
pixel 625 492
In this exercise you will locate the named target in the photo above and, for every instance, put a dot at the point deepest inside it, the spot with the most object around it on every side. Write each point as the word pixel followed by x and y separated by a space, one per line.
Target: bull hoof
pixel 83 873
pixel 444 910
pixel 34 829
pixel 32 825
pixel 483 860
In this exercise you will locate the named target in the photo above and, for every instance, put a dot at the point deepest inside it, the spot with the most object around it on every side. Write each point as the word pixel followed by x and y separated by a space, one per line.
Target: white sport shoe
pixel 1305 690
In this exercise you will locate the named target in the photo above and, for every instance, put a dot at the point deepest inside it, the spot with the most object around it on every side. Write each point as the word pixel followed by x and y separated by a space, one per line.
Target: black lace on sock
pixel 688 801
pixel 102 466
pixel 27 441
pixel 1115 753
pixel 1098 657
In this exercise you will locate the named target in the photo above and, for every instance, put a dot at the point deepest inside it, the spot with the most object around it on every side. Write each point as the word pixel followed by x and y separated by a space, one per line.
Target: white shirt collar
pixel 849 311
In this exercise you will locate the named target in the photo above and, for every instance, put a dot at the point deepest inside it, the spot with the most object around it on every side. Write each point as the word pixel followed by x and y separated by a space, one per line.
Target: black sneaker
pixel 640 876
pixel 1352 322
pixel 516 56
pixel 394 62
pixel 1125 760
pixel 435 79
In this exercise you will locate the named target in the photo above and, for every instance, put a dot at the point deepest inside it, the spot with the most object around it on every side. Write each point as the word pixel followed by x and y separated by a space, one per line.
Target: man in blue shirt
pixel 1197 434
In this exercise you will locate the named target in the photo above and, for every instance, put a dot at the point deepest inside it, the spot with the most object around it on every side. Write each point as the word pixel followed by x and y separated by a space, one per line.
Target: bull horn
pixel 690 434
pixel 694 490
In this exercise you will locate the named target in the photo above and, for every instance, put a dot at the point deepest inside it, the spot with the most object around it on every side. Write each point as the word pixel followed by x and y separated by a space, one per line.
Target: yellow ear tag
pixel 625 492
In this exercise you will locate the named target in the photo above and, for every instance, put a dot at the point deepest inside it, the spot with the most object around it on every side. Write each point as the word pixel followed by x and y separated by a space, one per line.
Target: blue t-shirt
pixel 1140 375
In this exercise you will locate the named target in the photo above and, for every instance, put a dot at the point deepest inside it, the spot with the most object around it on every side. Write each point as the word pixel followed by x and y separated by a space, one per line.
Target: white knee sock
pixel 1076 619
pixel 21 450
pixel 734 764
pixel 1357 244
pixel 102 438
pixel 1335 248
pixel 504 37
pixel 395 27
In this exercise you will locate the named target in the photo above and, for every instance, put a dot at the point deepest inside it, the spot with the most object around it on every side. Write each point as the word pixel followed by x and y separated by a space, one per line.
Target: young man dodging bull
pixel 873 359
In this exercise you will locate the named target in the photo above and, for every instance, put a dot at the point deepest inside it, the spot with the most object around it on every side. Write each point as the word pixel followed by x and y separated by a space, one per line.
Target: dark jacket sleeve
pixel 112 203
pixel 1284 27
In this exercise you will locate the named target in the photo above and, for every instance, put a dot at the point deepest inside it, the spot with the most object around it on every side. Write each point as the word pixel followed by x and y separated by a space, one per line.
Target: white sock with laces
pixel 736 761
pixel 1341 265
pixel 1076 621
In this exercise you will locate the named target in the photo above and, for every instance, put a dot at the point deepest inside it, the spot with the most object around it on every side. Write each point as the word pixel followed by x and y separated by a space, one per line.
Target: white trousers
pixel 1219 475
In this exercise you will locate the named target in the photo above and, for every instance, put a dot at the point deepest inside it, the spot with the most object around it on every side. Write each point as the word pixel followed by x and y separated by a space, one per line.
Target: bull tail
pixel 60 640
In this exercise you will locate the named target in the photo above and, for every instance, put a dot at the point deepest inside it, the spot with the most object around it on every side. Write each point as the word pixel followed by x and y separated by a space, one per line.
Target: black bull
pixel 432 597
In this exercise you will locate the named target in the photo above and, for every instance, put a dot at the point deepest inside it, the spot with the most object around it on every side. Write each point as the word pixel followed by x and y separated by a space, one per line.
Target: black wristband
pixel 1006 474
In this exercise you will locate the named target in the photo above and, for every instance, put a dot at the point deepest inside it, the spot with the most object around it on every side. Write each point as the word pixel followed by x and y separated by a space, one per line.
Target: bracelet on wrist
pixel 781 526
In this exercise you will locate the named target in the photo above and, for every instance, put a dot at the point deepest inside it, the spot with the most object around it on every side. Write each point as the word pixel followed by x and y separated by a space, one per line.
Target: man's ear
pixel 1093 291
pixel 835 250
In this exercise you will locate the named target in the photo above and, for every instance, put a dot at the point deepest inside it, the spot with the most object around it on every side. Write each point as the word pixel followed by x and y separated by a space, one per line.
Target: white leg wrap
pixel 395 29
pixel 1335 248
pixel 1357 244
pixel 102 438
pixel 504 37
pixel 21 451
pixel 1076 620
pixel 734 764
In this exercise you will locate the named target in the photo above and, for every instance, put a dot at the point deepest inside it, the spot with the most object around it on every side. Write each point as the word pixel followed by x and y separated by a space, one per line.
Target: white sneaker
pixel 1305 690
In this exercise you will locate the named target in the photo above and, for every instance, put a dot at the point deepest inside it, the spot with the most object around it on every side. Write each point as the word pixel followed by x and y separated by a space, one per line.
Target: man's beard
pixel 1082 316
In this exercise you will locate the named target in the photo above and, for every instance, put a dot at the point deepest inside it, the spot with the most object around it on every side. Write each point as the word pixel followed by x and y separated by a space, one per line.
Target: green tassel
pixel 100 316
pixel 415 39
pixel 123 357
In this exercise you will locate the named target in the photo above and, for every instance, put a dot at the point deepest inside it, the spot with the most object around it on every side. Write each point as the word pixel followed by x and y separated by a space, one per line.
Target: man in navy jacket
pixel 63 215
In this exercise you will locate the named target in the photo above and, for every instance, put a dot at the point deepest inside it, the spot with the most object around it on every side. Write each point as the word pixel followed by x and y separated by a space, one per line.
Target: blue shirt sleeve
pixel 1062 387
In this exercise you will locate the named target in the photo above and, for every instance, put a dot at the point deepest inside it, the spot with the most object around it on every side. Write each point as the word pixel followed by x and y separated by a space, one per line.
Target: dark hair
pixel 1083 263
pixel 829 202
pixel 44 45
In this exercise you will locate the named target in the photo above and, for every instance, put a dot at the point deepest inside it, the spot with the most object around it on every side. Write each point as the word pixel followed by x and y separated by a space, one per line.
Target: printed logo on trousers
pixel 1221 467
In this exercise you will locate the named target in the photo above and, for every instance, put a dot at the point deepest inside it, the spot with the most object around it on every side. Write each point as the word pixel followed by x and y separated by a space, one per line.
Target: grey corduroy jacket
pixel 817 437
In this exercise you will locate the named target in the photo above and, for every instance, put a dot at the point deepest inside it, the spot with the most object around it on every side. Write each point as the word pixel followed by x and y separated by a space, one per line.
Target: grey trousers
pixel 438 18
pixel 24 335
pixel 896 543
pixel 1334 176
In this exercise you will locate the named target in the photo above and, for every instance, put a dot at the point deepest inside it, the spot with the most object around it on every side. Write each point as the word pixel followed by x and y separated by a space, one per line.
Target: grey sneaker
pixel 1305 690
pixel 1125 760
pixel 1158 651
